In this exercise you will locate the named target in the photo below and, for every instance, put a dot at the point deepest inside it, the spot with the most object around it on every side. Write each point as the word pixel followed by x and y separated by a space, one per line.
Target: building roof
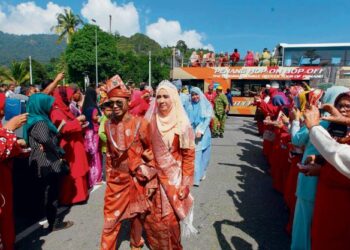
pixel 312 45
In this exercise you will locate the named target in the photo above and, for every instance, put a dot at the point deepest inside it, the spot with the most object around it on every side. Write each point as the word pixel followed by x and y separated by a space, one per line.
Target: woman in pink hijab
pixel 249 59
pixel 139 103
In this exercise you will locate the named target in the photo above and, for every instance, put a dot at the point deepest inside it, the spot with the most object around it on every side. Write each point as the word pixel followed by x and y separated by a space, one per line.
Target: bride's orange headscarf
pixel 175 122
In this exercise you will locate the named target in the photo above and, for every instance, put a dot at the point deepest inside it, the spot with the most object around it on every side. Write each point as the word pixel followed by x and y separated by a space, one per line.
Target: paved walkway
pixel 235 207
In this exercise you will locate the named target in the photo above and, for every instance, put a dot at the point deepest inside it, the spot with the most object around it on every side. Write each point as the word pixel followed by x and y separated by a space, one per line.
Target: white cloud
pixel 125 18
pixel 167 33
pixel 28 18
pixel 2 16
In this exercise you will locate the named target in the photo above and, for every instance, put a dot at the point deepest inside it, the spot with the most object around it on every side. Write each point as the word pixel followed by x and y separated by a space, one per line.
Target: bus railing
pixel 275 61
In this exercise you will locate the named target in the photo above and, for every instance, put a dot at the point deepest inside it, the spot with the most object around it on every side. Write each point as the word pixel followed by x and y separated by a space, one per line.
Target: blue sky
pixel 229 24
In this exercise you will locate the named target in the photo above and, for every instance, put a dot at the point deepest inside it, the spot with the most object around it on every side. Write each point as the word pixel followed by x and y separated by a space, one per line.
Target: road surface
pixel 235 207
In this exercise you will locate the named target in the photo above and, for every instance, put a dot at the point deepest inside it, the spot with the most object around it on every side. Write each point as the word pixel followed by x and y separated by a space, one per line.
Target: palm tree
pixel 67 25
pixel 17 73
pixel 182 46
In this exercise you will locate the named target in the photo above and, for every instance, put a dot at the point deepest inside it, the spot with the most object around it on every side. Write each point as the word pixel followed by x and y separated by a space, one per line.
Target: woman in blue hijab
pixel 200 112
pixel 307 185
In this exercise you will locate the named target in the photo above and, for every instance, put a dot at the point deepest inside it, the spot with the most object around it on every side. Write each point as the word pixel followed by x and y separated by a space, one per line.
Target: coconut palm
pixel 182 46
pixel 17 73
pixel 67 25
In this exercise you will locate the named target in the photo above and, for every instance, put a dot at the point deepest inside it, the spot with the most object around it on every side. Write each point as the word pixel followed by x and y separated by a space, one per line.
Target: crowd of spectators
pixel 306 143
pixel 42 130
pixel 307 152
pixel 210 59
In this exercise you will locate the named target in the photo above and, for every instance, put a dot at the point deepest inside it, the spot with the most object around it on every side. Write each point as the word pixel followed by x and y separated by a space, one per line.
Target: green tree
pixel 67 24
pixel 133 67
pixel 160 68
pixel 51 67
pixel 17 73
pixel 80 55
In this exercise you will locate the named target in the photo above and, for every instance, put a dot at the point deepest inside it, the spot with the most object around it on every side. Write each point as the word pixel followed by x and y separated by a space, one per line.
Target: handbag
pixel 269 135
pixel 64 167
pixel 14 107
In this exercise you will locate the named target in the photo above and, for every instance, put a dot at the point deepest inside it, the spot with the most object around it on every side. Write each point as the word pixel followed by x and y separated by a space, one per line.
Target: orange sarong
pixel 175 169
pixel 125 196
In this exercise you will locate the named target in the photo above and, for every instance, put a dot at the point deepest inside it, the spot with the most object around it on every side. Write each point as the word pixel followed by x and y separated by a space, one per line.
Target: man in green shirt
pixel 221 106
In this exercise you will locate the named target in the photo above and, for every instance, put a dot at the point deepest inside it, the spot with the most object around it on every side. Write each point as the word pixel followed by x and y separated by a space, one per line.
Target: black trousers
pixel 50 185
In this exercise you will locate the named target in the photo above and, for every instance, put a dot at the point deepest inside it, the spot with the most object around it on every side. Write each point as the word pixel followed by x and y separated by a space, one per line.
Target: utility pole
pixel 110 24
pixel 30 70
pixel 174 59
pixel 96 52
pixel 149 68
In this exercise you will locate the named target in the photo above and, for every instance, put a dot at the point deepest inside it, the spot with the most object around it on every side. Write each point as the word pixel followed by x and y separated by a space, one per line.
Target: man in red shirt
pixel 235 57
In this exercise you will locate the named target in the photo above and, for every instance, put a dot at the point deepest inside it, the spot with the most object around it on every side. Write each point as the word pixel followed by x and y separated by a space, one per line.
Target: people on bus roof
pixel 235 57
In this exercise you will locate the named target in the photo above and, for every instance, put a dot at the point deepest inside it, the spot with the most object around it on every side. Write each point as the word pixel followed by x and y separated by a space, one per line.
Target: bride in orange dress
pixel 174 151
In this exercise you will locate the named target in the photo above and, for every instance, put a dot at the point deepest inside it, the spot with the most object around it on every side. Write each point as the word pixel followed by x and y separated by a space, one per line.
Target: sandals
pixel 61 225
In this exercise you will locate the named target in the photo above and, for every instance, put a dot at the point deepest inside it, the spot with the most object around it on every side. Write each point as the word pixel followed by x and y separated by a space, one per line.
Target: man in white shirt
pixel 11 91
pixel 338 155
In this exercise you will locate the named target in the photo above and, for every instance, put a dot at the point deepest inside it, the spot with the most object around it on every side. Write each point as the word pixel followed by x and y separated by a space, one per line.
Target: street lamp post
pixel 149 68
pixel 30 70
pixel 96 52
pixel 110 24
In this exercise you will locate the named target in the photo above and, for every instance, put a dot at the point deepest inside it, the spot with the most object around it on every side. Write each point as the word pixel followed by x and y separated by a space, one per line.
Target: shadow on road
pixel 249 131
pixel 34 241
pixel 252 154
pixel 261 208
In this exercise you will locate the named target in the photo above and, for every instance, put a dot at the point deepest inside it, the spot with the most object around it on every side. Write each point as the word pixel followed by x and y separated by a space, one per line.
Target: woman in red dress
pixel 9 148
pixel 278 157
pixel 74 187
pixel 331 221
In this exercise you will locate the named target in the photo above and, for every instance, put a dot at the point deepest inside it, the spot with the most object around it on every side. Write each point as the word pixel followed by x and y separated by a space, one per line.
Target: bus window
pixel 247 88
pixel 236 88
pixel 336 61
pixel 347 58
pixel 194 83
pixel 315 56
pixel 288 61
pixel 316 61
pixel 236 92
pixel 255 89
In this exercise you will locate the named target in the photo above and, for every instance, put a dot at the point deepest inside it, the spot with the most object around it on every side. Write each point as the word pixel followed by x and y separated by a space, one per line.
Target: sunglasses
pixel 343 106
pixel 118 103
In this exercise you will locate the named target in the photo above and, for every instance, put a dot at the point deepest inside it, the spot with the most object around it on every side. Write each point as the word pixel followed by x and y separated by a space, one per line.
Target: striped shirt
pixel 45 154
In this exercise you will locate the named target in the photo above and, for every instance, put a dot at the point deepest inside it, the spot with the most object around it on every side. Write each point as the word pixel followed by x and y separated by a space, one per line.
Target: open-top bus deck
pixel 319 66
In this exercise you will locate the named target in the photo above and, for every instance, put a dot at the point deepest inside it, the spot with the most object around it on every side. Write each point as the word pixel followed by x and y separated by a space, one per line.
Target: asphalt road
pixel 235 207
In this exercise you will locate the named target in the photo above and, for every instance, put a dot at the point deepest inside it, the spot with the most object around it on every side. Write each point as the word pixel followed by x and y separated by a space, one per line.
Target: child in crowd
pixel 106 110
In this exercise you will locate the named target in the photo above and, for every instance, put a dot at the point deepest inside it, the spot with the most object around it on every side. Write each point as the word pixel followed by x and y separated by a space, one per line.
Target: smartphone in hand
pixel 303 168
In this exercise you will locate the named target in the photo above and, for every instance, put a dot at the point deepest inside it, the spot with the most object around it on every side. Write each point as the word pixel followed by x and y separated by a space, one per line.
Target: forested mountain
pixel 116 54
pixel 43 47
pixel 18 47
pixel 138 43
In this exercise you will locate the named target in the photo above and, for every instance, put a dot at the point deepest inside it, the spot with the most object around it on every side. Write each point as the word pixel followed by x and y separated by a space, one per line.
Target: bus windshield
pixel 314 54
